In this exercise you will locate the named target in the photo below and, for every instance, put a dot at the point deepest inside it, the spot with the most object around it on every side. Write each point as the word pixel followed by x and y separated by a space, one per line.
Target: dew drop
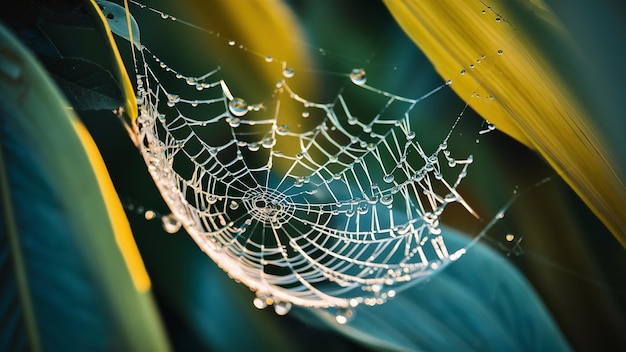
pixel 305 114
pixel 253 147
pixel 238 107
pixel 343 316
pixel 462 72
pixel 288 72
pixel 448 82
pixel 386 199
pixel 259 303
pixel 149 215
pixel 233 205
pixel 212 199
pixel 231 42
pixel 268 142
pixel 388 178
pixel 170 223
pixel 269 59
pixel 282 130
pixel 282 308
pixel 498 19
pixel 358 76
pixel 500 52
pixel 510 237
pixel 372 200
pixel 234 122
pixel 410 135
pixel 173 98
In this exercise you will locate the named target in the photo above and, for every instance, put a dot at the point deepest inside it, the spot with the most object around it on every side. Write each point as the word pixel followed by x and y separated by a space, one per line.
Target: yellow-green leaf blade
pixel 531 101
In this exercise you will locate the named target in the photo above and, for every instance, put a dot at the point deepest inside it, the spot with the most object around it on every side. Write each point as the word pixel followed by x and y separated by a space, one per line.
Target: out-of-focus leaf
pixel 86 85
pixel 53 32
pixel 514 82
pixel 71 272
pixel 119 22
pixel 479 303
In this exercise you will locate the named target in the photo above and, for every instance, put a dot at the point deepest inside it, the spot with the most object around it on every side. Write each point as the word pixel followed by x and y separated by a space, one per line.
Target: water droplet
pixel 448 82
pixel 471 66
pixel 149 215
pixel 212 199
pixel 510 237
pixel 231 42
pixel 269 59
pixel 305 114
pixel 333 158
pixel 254 146
pixel 450 197
pixel 363 209
pixel 500 52
pixel 388 178
pixel 173 98
pixel 234 122
pixel 483 12
pixel 170 223
pixel 343 315
pixel 410 135
pixel 386 199
pixel 238 107
pixel 367 128
pixel 358 76
pixel 282 130
pixel 268 142
pixel 233 205
pixel 288 72
pixel 498 19
pixel 462 72
pixel 282 308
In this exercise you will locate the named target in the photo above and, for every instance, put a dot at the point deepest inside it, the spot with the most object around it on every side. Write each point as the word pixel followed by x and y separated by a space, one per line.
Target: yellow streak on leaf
pixel 123 234
pixel 121 74
pixel 530 102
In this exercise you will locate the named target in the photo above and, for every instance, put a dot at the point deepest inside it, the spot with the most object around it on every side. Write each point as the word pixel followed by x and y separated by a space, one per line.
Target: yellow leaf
pixel 495 64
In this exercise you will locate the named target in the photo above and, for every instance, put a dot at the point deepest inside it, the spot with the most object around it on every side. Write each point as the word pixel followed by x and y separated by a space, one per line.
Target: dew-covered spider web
pixel 335 207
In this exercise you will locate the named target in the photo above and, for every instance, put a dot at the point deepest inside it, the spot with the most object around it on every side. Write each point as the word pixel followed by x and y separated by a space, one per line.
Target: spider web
pixel 330 209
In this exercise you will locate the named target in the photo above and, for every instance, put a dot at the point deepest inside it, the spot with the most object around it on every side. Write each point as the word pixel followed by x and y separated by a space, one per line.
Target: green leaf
pixel 69 269
pixel 85 84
